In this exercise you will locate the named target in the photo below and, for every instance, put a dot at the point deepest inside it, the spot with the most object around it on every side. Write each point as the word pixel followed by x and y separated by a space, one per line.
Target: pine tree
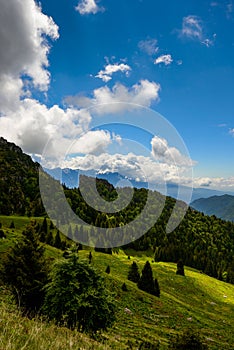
pixel 146 281
pixel 133 274
pixel 124 287
pixel 51 225
pixel 2 234
pixel 12 225
pixel 107 269
pixel 42 237
pixel 157 288
pixel 90 257
pixel 57 240
pixel 180 268
pixel 50 239
pixel 44 226
pixel 24 271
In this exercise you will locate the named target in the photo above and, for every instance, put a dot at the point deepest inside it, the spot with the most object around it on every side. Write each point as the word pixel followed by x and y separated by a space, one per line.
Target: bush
pixel 190 339
pixel 77 298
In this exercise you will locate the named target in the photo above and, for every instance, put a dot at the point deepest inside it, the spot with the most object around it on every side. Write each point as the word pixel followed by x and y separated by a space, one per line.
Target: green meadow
pixel 196 301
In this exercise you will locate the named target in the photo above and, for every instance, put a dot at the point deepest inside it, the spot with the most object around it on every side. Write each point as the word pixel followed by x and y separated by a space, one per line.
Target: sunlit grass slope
pixel 195 300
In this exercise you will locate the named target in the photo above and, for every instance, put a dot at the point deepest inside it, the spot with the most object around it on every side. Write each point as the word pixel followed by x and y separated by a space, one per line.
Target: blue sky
pixel 174 57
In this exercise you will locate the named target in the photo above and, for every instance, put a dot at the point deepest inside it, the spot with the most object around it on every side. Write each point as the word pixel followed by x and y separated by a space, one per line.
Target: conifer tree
pixel 12 225
pixel 146 281
pixel 133 274
pixel 57 240
pixel 50 238
pixel 124 287
pixel 42 237
pixel 51 225
pixel 157 288
pixel 180 268
pixel 24 271
pixel 107 269
pixel 44 226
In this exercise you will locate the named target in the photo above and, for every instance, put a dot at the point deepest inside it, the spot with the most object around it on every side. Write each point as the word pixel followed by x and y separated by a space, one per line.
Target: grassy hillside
pixel 195 300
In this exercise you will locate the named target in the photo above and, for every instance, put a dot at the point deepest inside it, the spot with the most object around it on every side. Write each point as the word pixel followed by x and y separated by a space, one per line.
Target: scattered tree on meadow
pixel 57 240
pixel 146 281
pixel 124 287
pixel 42 237
pixel 107 269
pixel 51 225
pixel 190 339
pixel 12 225
pixel 157 288
pixel 49 239
pixel 2 234
pixel 90 257
pixel 133 273
pixel 180 268
pixel 77 298
pixel 44 226
pixel 24 271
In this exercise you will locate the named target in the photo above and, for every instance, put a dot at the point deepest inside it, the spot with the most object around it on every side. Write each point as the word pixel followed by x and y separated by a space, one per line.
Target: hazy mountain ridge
pixel 70 178
pixel 220 206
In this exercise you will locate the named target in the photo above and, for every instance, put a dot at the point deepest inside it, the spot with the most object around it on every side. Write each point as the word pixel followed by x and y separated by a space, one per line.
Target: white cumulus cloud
pixel 118 99
pixel 171 155
pixel 166 59
pixel 94 142
pixel 34 124
pixel 24 49
pixel 85 7
pixel 110 69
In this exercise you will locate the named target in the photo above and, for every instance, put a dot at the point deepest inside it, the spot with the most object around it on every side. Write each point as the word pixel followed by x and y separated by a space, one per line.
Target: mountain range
pixel 70 178
pixel 220 206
